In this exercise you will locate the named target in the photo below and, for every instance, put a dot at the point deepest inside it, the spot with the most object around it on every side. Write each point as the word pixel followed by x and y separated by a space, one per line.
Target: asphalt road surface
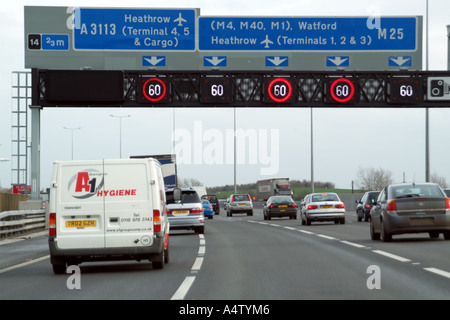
pixel 245 258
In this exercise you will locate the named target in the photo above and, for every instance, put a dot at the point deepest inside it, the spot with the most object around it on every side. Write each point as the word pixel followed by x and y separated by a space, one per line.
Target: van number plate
pixel 81 223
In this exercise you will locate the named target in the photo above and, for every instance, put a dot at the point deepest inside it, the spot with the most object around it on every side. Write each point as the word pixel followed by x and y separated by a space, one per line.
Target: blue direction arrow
pixel 338 61
pixel 400 61
pixel 154 61
pixel 214 61
pixel 277 61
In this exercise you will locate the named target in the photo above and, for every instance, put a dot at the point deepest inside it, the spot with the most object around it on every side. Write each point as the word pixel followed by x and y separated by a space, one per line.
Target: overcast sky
pixel 344 140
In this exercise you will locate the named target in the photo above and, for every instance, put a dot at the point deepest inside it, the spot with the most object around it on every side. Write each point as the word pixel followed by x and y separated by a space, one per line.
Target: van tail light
pixel 156 221
pixel 52 224
pixel 340 206
pixel 391 206
pixel 447 204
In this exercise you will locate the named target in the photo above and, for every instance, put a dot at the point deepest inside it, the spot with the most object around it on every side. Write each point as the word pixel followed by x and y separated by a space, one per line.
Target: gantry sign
pixel 138 57
pixel 240 89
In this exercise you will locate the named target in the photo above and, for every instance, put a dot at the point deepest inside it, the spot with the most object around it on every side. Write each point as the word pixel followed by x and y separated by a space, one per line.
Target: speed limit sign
pixel 153 90
pixel 341 90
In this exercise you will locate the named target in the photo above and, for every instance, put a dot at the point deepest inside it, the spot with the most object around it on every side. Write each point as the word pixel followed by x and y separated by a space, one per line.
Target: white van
pixel 108 210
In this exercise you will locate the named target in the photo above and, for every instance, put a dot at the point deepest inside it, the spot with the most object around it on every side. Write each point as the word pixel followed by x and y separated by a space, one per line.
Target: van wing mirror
pixel 177 195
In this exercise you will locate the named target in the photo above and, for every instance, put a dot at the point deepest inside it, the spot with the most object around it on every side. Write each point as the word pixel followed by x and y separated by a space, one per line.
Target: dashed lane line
pixel 186 285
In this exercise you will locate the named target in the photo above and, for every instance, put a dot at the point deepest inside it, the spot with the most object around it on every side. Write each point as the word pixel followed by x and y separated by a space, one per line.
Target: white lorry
pixel 273 187
pixel 108 210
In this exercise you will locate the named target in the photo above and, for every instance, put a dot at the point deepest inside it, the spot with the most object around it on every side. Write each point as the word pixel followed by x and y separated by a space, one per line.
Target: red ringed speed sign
pixel 342 90
pixel 283 91
pixel 154 89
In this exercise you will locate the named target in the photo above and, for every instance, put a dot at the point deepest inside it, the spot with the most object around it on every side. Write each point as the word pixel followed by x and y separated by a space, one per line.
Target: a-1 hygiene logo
pixel 85 184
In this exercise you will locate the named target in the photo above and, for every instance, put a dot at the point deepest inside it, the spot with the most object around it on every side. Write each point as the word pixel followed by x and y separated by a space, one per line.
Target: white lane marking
pixel 439 272
pixel 184 288
pixel 189 280
pixel 353 244
pixel 17 266
pixel 326 237
pixel 390 255
pixel 197 264
pixel 307 232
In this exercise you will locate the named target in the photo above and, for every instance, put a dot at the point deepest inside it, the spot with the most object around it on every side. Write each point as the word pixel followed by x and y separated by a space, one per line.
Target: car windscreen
pixel 186 197
pixel 240 197
pixel 415 191
pixel 372 197
pixel 281 200
pixel 325 197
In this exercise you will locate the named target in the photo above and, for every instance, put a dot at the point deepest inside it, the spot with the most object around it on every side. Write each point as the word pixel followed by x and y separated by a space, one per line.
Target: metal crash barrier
pixel 23 221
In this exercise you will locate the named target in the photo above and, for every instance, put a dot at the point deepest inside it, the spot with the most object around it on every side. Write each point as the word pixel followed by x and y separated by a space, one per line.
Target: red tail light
pixel 52 224
pixel 294 205
pixel 271 206
pixel 156 221
pixel 447 203
pixel 391 206
pixel 197 210
pixel 340 206
pixel 368 206
pixel 312 207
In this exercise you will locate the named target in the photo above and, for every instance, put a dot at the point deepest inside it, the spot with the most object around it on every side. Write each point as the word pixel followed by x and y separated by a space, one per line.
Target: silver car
pixel 239 203
pixel 410 208
pixel 186 213
pixel 322 207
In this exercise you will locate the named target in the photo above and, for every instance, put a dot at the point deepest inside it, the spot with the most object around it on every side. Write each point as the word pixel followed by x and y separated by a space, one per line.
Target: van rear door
pixel 128 204
pixel 80 212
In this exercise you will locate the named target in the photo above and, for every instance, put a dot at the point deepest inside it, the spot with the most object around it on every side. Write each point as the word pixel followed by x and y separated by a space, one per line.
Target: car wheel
pixel 385 235
pixel 303 221
pixel 158 260
pixel 373 235
pixel 359 216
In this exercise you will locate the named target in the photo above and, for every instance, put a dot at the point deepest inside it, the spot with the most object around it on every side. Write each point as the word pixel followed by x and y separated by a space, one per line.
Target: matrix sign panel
pixel 153 90
pixel 279 90
pixel 406 90
pixel 134 29
pixel 341 90
pixel 216 90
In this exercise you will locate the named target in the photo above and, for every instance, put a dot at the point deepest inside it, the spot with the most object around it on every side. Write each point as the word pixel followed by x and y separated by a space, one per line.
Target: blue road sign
pixel 59 42
pixel 307 34
pixel 135 29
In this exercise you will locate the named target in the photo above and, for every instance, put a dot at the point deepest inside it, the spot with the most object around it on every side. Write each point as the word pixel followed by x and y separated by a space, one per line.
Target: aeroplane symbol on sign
pixel 180 20
pixel 267 42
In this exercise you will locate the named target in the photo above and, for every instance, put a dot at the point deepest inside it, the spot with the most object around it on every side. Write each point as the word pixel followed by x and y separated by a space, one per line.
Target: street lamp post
pixel 120 130
pixel 72 129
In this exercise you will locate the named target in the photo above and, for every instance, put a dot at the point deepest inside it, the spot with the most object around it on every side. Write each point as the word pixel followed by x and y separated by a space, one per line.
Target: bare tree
pixel 373 179
pixel 189 182
pixel 439 180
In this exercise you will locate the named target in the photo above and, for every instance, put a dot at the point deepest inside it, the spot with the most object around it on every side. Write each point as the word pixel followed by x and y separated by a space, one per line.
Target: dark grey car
pixel 410 208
